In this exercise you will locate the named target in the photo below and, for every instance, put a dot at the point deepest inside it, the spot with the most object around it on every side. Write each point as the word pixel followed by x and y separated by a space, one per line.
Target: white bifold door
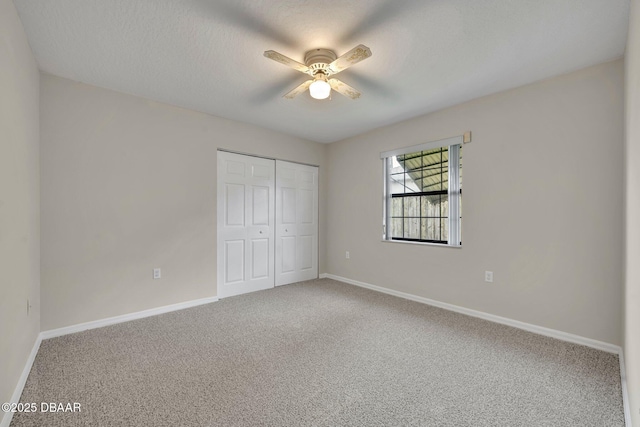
pixel 267 223
pixel 246 224
pixel 296 222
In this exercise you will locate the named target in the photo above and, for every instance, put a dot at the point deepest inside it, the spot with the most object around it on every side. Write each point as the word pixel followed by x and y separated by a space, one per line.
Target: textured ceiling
pixel 207 55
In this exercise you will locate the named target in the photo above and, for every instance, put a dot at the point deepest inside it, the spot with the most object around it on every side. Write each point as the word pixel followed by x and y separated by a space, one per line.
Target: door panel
pixel 260 258
pixel 261 205
pixel 307 176
pixel 296 231
pixel 234 257
pixel 262 171
pixel 288 215
pixel 235 168
pixel 288 257
pixel 246 225
pixel 306 206
pixel 305 252
pixel 234 212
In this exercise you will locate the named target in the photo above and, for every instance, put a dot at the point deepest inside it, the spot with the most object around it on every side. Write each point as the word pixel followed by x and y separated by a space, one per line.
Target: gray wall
pixel 632 264
pixel 19 200
pixel 542 206
pixel 128 185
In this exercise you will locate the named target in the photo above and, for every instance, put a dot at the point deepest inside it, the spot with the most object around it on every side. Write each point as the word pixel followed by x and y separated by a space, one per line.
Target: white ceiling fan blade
pixel 344 89
pixel 298 90
pixel 272 54
pixel 354 56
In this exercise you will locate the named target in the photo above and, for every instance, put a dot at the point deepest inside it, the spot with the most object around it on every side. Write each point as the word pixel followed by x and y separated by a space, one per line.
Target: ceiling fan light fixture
pixel 320 89
pixel 321 64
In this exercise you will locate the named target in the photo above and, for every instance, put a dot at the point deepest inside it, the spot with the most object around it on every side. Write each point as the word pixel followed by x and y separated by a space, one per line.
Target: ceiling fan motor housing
pixel 318 60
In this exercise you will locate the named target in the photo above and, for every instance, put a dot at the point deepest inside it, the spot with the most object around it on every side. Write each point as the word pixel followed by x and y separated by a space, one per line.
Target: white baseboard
pixel 323 276
pixel 124 318
pixel 553 333
pixel 15 398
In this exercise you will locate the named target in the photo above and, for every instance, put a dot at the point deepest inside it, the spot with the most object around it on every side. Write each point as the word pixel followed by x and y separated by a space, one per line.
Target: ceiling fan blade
pixel 344 89
pixel 272 54
pixel 298 90
pixel 355 55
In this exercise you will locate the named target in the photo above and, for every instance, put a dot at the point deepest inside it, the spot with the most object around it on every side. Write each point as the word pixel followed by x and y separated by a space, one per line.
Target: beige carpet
pixel 321 353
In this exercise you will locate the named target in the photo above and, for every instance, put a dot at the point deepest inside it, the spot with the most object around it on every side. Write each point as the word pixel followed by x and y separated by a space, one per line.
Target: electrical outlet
pixel 488 276
pixel 156 273
pixel 346 255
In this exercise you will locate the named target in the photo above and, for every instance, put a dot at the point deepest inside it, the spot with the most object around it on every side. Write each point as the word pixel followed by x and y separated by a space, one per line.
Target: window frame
pixel 454 191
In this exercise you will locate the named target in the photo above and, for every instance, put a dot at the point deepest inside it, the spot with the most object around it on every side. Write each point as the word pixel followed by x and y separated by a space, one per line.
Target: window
pixel 423 193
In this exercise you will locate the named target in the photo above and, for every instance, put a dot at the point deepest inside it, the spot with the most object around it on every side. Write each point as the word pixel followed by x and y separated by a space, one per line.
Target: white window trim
pixel 456 140
pixel 454 196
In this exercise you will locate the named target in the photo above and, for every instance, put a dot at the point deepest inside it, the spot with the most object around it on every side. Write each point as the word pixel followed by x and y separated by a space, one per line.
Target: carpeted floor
pixel 321 353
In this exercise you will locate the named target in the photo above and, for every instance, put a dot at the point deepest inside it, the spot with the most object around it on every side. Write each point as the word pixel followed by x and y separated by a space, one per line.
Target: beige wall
pixel 543 197
pixel 19 200
pixel 632 264
pixel 129 185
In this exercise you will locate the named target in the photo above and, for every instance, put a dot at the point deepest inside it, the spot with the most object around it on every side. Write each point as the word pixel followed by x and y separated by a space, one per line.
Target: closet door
pixel 296 222
pixel 246 222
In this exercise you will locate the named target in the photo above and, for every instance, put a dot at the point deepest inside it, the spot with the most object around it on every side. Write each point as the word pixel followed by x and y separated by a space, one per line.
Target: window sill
pixel 406 242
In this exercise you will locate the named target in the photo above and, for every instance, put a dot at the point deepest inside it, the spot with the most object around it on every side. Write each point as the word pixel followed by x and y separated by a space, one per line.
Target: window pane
pixel 396 206
pixel 445 179
pixel 411 206
pixel 396 227
pixel 431 180
pixel 434 161
pixel 422 171
pixel 396 166
pixel 396 183
pixel 434 206
pixel 432 229
pixel 399 177
pixel 411 182
pixel 444 229
pixel 412 228
pixel 444 205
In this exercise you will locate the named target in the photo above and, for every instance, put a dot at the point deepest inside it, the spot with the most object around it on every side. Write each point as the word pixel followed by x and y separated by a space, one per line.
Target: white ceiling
pixel 207 55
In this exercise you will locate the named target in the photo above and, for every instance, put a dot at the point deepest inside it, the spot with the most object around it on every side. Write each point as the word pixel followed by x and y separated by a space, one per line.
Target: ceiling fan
pixel 321 64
